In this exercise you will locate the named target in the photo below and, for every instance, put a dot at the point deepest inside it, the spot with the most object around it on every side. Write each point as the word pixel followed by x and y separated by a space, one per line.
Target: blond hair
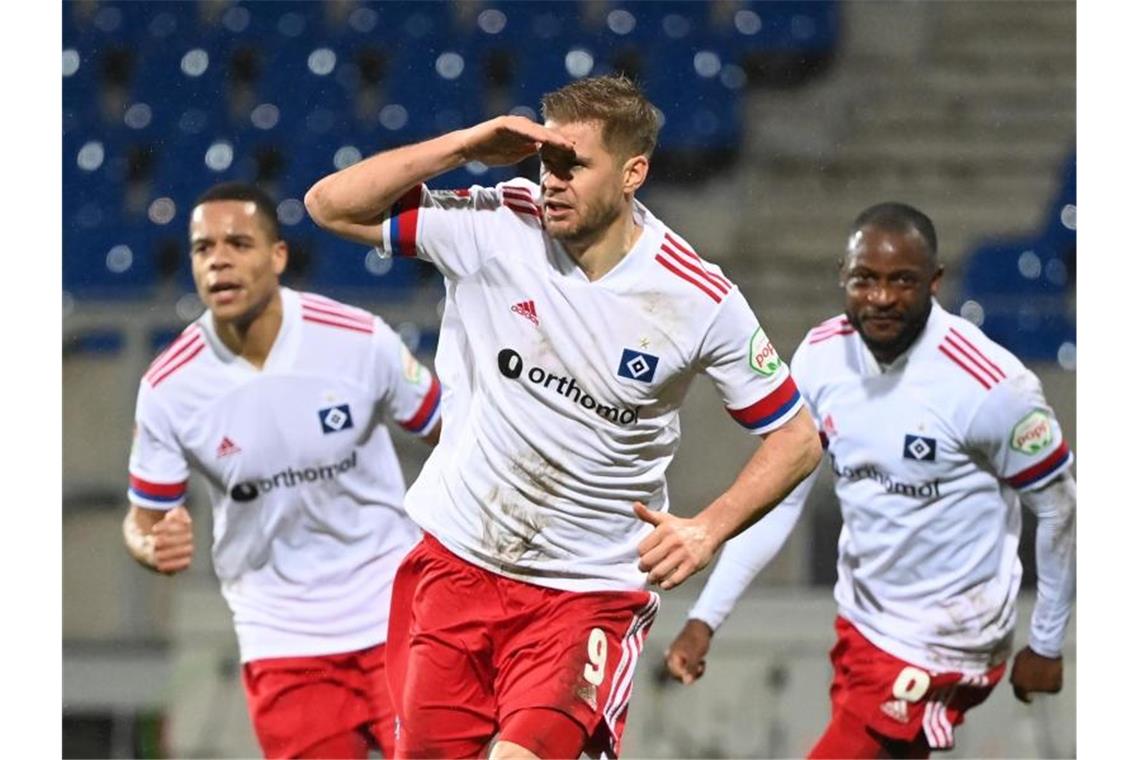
pixel 628 119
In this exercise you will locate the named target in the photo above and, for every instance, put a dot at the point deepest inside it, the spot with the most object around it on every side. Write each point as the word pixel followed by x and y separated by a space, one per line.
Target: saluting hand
pixel 677 547
pixel 506 140
pixel 1035 673
pixel 173 541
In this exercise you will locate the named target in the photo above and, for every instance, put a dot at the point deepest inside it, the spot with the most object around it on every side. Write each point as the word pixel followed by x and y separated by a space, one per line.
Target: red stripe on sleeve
pixel 427 408
pixel 405 219
pixel 765 410
pixel 1031 475
pixel 158 490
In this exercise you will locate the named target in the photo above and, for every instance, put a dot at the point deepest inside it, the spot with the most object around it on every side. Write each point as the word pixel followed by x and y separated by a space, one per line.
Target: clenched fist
pixel 172 542
pixel 685 657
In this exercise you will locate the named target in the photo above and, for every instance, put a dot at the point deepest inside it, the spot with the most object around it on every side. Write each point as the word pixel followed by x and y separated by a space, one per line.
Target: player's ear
pixel 634 173
pixel 280 257
pixel 936 281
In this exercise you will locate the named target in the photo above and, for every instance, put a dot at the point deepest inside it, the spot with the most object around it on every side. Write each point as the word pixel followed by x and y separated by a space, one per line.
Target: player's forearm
pixel 787 456
pixel 361 193
pixel 745 556
pixel 1056 545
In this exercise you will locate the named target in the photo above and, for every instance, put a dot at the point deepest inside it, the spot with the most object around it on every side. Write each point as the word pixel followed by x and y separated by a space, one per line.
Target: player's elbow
pixel 318 206
pixel 806 443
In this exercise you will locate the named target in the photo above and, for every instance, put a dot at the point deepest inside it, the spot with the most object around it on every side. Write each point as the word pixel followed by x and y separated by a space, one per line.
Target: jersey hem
pixel 296 645
pixel 970 665
pixel 580 585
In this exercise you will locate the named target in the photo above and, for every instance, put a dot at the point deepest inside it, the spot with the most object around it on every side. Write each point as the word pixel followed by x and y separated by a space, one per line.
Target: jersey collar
pixel 930 333
pixel 649 240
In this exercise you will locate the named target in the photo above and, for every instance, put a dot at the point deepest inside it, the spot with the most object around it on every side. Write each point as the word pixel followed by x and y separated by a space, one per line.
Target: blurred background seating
pixel 781 121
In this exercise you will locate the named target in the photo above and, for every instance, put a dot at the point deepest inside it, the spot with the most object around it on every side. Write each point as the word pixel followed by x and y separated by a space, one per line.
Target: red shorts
pixel 333 705
pixel 467 648
pixel 897 700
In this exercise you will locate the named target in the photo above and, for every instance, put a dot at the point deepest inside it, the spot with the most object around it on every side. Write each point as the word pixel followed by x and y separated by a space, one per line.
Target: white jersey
pixel 563 394
pixel 307 493
pixel 928 454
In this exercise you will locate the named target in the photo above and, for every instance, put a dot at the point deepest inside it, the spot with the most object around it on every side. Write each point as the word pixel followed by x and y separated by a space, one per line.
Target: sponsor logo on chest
pixel 248 490
pixel 637 365
pixel 512 367
pixel 335 418
pixel 919 448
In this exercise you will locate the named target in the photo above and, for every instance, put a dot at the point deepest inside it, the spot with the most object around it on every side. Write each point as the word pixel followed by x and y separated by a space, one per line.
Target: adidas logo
pixel 895 708
pixel 526 309
pixel 227 447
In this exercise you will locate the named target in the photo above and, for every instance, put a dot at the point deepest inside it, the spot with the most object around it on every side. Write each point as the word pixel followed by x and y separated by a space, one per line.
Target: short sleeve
pixel 754 383
pixel 158 469
pixel 1016 430
pixel 449 228
pixel 410 393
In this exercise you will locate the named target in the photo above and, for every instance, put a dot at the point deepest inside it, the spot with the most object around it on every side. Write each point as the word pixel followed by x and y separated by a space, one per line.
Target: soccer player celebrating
pixel 280 400
pixel 575 321
pixel 935 435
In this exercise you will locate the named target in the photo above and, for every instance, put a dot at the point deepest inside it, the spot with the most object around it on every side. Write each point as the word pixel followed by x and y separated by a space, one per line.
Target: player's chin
pixel 229 311
pixel 560 229
pixel 883 332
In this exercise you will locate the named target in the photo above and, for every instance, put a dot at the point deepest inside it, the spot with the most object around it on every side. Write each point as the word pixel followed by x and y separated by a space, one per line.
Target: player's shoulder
pixel 823 352
pixel 679 268
pixel 330 317
pixel 518 198
pixel 965 356
pixel 521 201
pixel 176 363
pixel 830 333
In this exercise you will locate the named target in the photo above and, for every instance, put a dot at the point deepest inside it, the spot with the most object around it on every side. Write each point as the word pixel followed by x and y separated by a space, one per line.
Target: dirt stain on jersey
pixel 514 518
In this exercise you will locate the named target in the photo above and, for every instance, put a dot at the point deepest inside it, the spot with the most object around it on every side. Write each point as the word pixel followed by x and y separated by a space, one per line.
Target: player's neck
pixel 252 339
pixel 598 256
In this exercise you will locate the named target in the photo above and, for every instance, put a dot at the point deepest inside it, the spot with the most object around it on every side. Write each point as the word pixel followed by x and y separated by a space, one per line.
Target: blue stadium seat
pixel 1031 332
pixel 1014 268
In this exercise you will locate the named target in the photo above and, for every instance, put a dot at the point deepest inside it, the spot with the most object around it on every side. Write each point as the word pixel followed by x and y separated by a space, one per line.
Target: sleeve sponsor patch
pixel 762 356
pixel 1032 434
pixel 413 370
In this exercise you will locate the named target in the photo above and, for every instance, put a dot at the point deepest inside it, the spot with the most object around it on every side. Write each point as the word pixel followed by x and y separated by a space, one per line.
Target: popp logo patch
pixel 762 356
pixel 1032 434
